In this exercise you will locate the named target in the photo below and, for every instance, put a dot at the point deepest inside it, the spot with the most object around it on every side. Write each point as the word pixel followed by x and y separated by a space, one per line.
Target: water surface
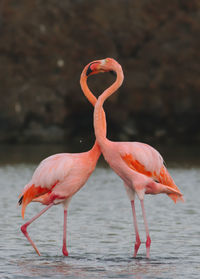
pixel 100 230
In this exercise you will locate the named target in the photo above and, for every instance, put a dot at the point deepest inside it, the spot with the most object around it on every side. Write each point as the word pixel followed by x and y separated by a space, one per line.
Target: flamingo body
pixel 60 176
pixel 139 165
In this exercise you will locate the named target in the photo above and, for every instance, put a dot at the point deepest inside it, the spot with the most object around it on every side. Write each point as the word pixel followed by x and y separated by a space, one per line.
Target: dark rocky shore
pixel 44 46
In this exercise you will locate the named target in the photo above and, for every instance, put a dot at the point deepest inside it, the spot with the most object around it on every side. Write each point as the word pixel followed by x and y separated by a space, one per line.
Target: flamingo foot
pixel 24 231
pixel 148 244
pixel 65 252
pixel 137 246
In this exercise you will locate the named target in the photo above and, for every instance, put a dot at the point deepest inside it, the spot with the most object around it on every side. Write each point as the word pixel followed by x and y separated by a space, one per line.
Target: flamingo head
pixel 101 66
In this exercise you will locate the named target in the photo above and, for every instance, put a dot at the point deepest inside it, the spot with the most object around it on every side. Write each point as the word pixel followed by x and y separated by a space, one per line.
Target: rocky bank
pixel 44 46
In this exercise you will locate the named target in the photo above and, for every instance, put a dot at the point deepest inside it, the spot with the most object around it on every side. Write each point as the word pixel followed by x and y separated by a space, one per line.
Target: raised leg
pixel 137 237
pixel 24 227
pixel 64 249
pixel 148 241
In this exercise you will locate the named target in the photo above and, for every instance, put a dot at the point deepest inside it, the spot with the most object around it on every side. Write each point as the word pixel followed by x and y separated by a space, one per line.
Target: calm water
pixel 100 229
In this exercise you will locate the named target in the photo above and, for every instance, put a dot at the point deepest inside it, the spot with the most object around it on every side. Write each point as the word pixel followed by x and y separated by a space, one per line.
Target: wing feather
pixel 48 174
pixel 147 161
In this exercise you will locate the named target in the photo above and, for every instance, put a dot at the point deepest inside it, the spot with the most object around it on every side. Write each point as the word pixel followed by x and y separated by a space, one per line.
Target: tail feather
pixel 176 198
pixel 167 180
pixel 31 193
pixel 158 188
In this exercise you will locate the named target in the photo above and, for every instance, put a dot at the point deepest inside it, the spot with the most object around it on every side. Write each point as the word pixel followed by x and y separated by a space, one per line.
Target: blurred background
pixel 44 46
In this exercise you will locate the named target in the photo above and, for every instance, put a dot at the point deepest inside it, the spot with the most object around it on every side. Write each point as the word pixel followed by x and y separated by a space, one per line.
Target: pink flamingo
pixel 59 177
pixel 139 165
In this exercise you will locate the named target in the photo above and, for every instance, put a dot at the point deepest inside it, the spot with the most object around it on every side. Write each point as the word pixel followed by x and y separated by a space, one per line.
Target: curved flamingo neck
pixel 98 115
pixel 88 94
pixel 95 151
pixel 92 99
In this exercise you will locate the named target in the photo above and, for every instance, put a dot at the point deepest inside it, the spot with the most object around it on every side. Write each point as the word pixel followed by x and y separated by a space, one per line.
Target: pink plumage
pixel 139 165
pixel 59 177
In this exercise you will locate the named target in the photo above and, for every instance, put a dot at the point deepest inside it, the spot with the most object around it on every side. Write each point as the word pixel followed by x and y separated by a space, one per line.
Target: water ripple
pixel 100 231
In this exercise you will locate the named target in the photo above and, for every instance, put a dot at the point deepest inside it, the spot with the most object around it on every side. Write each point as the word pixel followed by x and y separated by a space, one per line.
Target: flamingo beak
pixel 89 71
pixel 92 70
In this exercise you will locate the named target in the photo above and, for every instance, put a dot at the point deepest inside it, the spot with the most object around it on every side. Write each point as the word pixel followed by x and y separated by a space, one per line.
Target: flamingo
pixel 139 165
pixel 59 177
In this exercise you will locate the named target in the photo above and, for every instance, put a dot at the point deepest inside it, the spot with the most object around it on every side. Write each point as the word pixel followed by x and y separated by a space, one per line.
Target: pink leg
pixel 137 241
pixel 64 249
pixel 148 242
pixel 24 227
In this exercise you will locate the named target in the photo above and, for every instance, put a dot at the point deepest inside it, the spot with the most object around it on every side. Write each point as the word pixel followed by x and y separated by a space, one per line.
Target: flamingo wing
pixel 48 174
pixel 148 161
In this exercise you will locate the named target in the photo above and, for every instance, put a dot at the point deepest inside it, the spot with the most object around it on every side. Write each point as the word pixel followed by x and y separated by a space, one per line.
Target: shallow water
pixel 100 230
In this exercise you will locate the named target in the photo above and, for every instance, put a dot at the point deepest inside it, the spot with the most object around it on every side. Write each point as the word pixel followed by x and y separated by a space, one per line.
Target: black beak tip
pixel 89 71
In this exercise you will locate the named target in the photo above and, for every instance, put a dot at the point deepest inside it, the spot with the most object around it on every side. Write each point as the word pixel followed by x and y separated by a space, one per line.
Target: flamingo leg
pixel 137 237
pixel 64 249
pixel 24 227
pixel 148 241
